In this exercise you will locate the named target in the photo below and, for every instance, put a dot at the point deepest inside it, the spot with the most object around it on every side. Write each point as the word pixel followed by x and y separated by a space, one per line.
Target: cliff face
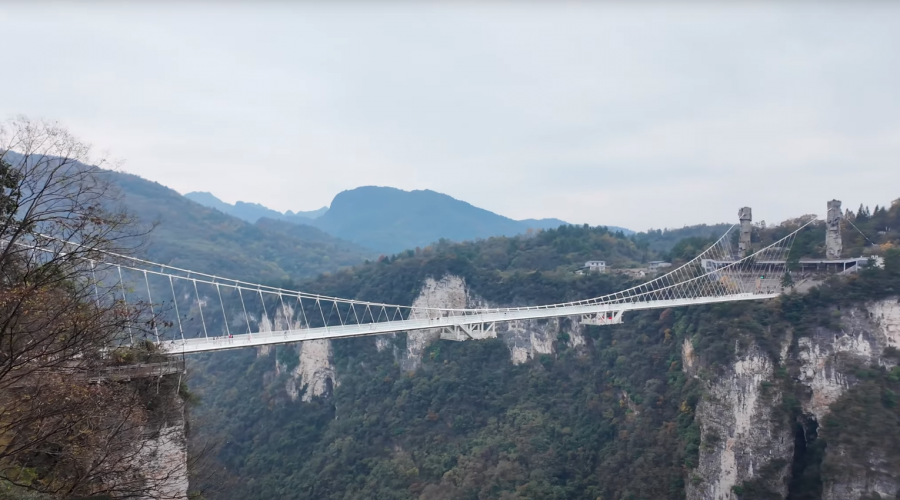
pixel 315 367
pixel 741 435
pixel 315 371
pixel 448 292
pixel 744 438
pixel 165 457
pixel 525 339
pixel 864 335
pixel 159 448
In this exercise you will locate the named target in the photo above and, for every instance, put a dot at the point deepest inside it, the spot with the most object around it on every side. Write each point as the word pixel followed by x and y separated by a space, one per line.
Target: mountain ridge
pixel 391 220
pixel 252 212
pixel 195 236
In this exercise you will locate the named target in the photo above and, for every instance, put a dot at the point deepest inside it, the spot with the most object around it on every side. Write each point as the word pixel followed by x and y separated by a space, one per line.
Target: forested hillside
pixel 392 220
pixel 601 412
pixel 608 412
pixel 192 236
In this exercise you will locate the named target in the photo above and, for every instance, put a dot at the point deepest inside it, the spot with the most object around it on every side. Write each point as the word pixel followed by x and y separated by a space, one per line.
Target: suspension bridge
pixel 211 313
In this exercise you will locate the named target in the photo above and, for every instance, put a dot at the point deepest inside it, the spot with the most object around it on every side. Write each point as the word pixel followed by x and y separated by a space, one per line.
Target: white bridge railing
pixel 202 312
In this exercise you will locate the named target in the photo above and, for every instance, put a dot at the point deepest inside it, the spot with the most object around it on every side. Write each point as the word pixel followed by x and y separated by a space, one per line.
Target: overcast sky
pixel 642 116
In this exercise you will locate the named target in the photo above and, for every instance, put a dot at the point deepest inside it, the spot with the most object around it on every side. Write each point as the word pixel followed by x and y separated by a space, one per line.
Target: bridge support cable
pixel 150 303
pixel 715 274
pixel 125 305
pixel 177 314
pixel 200 308
pixel 246 316
pixel 224 315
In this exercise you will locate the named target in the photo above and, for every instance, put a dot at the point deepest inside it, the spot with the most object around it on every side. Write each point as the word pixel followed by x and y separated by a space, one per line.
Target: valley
pixel 450 251
pixel 744 401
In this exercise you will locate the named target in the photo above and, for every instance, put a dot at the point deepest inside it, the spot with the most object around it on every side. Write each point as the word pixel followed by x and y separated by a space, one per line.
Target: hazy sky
pixel 641 116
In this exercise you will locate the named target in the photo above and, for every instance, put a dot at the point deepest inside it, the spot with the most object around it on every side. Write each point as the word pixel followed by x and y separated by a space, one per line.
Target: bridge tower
pixel 833 244
pixel 746 217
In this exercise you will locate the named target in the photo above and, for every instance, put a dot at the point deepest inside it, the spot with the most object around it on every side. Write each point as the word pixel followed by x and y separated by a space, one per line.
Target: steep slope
pixel 392 220
pixel 196 237
pixel 794 398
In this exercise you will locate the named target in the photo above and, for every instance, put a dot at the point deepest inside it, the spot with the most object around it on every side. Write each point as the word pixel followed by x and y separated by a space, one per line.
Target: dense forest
pixel 612 419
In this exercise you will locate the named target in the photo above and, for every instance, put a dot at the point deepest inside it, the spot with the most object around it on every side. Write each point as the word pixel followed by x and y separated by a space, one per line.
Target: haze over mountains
pixel 198 237
pixel 391 220
pixel 252 212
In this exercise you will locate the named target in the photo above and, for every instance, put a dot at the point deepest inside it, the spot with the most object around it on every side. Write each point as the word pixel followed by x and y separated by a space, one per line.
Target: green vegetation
pixel 68 427
pixel 612 419
pixel 615 420
pixel 196 237
pixel 391 220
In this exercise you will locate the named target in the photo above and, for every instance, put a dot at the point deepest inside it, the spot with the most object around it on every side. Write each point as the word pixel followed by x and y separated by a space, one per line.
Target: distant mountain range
pixel 197 237
pixel 252 212
pixel 391 220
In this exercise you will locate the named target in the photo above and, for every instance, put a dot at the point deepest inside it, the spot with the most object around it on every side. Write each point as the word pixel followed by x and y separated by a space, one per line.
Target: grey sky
pixel 641 116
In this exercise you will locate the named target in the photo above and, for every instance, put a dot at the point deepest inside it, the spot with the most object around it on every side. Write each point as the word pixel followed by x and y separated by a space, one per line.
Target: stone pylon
pixel 746 217
pixel 833 244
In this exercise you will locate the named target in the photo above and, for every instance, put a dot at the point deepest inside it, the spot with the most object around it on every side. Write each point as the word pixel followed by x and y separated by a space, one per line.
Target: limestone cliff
pixel 161 451
pixel 315 371
pixel 526 339
pixel 744 440
pixel 827 360
pixel 739 432
pixel 165 458
pixel 449 292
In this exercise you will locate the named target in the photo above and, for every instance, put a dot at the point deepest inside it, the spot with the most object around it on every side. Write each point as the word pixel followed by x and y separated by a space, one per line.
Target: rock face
pixel 165 459
pixel 315 371
pixel 741 438
pixel 162 455
pixel 449 292
pixel 886 314
pixel 863 336
pixel 526 339
pixel 739 433
pixel 874 476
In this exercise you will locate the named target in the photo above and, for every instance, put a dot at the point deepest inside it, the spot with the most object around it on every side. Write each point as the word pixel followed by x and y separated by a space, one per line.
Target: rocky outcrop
pixel 315 371
pixel 886 315
pixel 828 360
pixel 165 458
pixel 526 339
pixel 689 360
pixel 741 439
pixel 160 452
pixel 450 292
pixel 739 433
pixel 863 336
pixel 820 356
pixel 874 475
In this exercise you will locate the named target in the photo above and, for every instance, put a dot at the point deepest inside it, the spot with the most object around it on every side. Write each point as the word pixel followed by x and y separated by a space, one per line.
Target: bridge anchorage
pixel 209 313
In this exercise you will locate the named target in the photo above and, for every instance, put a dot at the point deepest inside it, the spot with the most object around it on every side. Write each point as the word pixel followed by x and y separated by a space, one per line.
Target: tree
pixel 59 433
pixel 787 281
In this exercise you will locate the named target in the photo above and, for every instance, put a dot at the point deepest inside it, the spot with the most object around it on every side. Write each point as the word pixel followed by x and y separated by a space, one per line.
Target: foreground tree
pixel 64 429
